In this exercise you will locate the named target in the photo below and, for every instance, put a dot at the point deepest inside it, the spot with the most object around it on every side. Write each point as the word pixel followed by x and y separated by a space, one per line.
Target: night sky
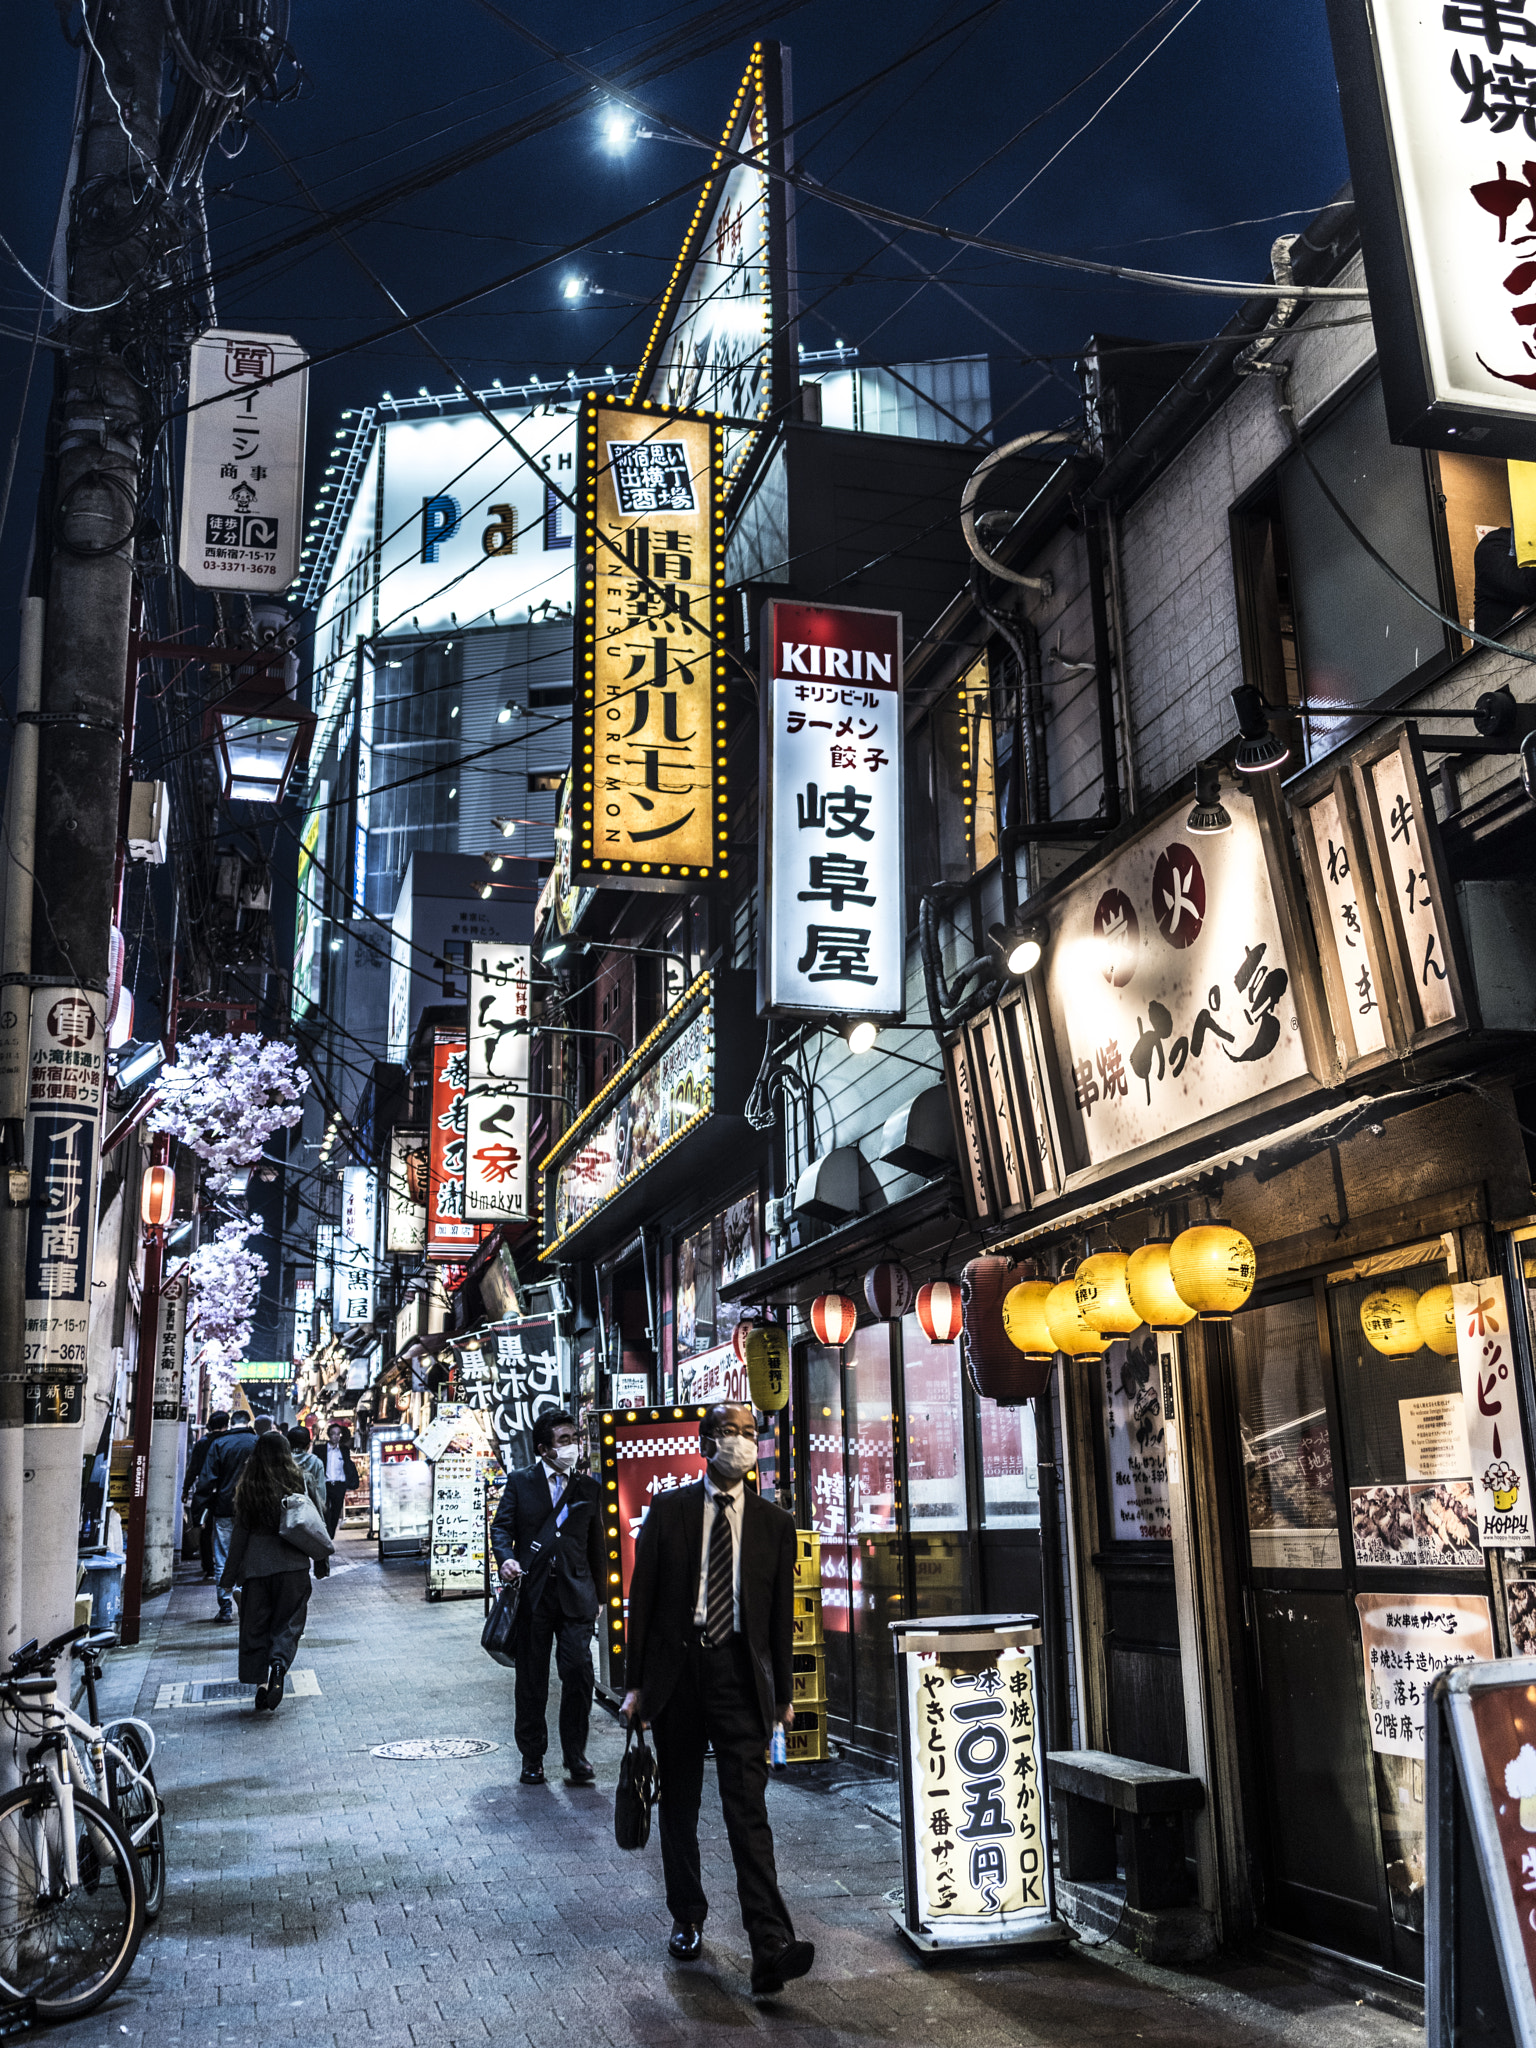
pixel 1233 119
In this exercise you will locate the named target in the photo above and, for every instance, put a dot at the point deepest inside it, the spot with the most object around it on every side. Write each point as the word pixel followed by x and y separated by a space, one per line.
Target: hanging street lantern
pixel 1436 1318
pixel 1390 1320
pixel 739 1336
pixel 888 1290
pixel 1150 1287
pixel 992 1360
pixel 1103 1297
pixel 833 1317
pixel 1024 1319
pixel 260 737
pixel 1214 1268
pixel 767 1364
pixel 939 1311
pixel 157 1197
pixel 1064 1320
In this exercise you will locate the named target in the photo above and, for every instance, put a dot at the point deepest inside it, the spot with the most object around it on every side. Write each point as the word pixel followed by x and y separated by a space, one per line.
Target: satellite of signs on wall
pixel 243 472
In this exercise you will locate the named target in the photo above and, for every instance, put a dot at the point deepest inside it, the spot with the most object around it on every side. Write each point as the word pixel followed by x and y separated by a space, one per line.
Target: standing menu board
pixel 456 1559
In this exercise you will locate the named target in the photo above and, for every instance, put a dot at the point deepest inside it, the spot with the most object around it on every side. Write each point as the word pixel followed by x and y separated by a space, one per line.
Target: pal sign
pixel 831 868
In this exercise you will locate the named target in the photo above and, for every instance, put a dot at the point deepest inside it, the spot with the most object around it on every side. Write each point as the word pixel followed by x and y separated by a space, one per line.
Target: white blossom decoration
pixel 225 1279
pixel 224 1097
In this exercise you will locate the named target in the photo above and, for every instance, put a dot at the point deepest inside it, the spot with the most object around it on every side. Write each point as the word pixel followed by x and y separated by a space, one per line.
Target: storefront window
pixel 828 1489
pixel 872 1477
pixel 1135 1442
pixel 1010 1469
pixel 935 1431
pixel 1286 1443
pixel 874 1520
pixel 719 1251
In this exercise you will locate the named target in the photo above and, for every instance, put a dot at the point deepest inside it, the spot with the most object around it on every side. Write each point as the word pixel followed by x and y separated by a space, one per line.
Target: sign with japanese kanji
pixel 170 1337
pixel 496 1178
pixel 449 1233
pixel 1439 105
pixel 1407 1640
pixel 66 1066
pixel 405 1210
pixel 243 473
pixel 1169 985
pixel 978 1810
pixel 1336 867
pixel 830 841
pixel 1410 884
pixel 354 1292
pixel 649 800
pixel 1485 1352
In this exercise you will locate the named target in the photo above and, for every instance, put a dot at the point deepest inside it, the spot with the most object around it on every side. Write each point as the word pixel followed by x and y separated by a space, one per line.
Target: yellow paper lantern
pixel 1064 1320
pixel 1102 1295
pixel 1390 1320
pixel 1214 1269
pixel 1024 1319
pixel 767 1349
pixel 1150 1286
pixel 1436 1318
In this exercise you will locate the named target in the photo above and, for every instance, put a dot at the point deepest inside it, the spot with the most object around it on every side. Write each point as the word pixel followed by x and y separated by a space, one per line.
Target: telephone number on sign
pixel 55 1354
pixel 239 568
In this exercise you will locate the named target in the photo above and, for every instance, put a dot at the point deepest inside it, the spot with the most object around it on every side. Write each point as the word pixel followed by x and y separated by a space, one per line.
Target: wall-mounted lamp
pixel 1258 749
pixel 859 1034
pixel 1209 814
pixel 139 1063
pixel 1020 945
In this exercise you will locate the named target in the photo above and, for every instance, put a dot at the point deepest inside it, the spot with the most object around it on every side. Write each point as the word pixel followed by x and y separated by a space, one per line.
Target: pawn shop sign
pixel 243 476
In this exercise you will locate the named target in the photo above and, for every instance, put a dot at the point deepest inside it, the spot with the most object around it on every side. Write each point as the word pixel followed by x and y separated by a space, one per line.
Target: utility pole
pixel 98 428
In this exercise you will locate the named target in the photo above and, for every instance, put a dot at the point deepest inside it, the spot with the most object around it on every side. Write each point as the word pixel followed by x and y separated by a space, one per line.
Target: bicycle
pixel 72 1907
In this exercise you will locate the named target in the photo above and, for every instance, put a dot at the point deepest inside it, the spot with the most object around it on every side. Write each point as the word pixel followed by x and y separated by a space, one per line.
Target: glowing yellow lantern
pixel 1024 1319
pixel 1214 1269
pixel 1150 1286
pixel 767 1349
pixel 1064 1320
pixel 1436 1318
pixel 1102 1295
pixel 1390 1320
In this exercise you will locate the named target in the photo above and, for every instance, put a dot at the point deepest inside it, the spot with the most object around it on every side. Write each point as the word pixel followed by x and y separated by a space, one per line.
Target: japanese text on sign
pixel 977 1808
pixel 1407 1640
pixel 242 506
pixel 65 1069
pixel 448 1231
pixel 496 1180
pixel 1500 1471
pixel 1341 892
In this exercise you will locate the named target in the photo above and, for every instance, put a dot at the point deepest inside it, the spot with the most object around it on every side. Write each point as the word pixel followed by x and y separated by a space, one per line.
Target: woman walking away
pixel 273 1575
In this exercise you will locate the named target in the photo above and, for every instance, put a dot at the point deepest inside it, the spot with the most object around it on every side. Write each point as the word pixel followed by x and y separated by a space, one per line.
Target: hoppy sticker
pixel 1503 1482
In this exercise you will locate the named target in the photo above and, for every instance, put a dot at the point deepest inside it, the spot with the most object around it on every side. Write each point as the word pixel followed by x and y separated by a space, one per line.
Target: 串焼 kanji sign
pixel 649 803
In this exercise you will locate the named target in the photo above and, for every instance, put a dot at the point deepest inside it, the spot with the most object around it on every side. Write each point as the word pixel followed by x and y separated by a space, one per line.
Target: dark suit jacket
pixel 665 1585
pixel 580 1560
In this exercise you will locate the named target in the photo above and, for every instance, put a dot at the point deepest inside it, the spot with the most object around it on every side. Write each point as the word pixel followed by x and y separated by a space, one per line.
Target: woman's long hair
pixel 266 1478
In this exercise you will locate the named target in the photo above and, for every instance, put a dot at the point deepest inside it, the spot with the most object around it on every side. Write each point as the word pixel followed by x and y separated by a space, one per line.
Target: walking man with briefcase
pixel 548 1532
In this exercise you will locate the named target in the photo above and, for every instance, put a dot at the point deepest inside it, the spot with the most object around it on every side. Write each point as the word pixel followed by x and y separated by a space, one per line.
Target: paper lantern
pixel 1390 1320
pixel 157 1197
pixel 1150 1286
pixel 1436 1318
pixel 1024 1319
pixel 939 1311
pixel 739 1336
pixel 888 1290
pixel 1102 1295
pixel 1064 1320
pixel 1214 1269
pixel 767 1350
pixel 833 1317
pixel 995 1367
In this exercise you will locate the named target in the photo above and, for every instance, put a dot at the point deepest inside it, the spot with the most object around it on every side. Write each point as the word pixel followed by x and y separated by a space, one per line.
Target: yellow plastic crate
pixel 806 1742
pixel 807 1633
pixel 810 1669
pixel 807 1561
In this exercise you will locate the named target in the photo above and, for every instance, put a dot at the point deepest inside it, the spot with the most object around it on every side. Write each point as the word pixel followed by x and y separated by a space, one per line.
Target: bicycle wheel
pixel 136 1804
pixel 67 1948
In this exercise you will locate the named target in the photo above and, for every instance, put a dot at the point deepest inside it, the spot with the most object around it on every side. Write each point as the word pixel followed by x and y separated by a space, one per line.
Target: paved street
pixel 321 1895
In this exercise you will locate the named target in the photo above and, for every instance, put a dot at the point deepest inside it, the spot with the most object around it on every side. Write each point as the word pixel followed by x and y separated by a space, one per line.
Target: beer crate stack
pixel 807 1739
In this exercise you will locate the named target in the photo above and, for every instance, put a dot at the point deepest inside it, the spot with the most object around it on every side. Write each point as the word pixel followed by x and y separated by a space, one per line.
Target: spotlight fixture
pixel 494 862
pixel 1210 814
pixel 573 289
pixel 1258 750
pixel 618 128
pixel 139 1062
pixel 487 891
pixel 507 827
pixel 564 946
pixel 508 712
pixel 859 1034
pixel 1021 945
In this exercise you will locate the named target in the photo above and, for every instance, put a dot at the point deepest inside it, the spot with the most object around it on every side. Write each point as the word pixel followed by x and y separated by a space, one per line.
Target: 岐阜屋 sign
pixel 1439 106
pixel 243 476
pixel 830 846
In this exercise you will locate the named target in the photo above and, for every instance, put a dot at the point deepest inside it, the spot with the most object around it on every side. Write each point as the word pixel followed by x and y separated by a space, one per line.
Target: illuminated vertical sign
pixel 66 1067
pixel 449 1235
pixel 830 847
pixel 649 808
pixel 310 914
pixel 243 471
pixel 496 1179
pixel 354 1266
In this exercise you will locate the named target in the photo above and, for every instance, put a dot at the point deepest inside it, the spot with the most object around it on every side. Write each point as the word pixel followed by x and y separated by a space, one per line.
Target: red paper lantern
pixel 157 1198
pixel 888 1290
pixel 833 1317
pixel 938 1310
pixel 739 1336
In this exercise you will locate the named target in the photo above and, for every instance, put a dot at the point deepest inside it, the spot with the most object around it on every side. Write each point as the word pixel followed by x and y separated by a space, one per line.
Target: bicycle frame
pixel 62 1725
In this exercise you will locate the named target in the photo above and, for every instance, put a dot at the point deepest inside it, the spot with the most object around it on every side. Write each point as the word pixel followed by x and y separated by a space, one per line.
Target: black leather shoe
pixel 686 1941
pixel 794 1959
pixel 532 1773
pixel 581 1773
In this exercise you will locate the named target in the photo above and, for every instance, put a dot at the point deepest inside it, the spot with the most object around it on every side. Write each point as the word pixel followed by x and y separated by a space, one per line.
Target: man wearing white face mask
pixel 548 1533
pixel 708 1659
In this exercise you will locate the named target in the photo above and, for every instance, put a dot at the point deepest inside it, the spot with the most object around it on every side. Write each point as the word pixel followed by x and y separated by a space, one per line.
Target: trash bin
pixel 103 1580
pixel 975 1836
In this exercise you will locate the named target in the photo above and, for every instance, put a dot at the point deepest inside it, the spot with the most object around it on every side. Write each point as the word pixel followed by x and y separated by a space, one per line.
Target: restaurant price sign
pixel 649 804
pixel 830 851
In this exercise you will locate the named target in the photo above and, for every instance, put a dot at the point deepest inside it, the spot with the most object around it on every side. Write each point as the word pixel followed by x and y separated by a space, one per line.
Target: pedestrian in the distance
pixel 301 1444
pixel 215 1495
pixel 217 1423
pixel 262 1424
pixel 273 1576
pixel 548 1532
pixel 708 1660
pixel 340 1473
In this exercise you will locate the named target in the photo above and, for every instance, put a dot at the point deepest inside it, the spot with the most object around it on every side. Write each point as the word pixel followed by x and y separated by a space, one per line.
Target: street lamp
pixel 567 946
pixel 261 737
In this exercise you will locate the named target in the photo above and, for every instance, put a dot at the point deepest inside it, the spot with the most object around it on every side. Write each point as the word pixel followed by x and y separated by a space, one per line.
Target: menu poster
pixel 1434 1430
pixel 1499 1472
pixel 1136 1442
pixel 1430 1525
pixel 1407 1640
pixel 456 1557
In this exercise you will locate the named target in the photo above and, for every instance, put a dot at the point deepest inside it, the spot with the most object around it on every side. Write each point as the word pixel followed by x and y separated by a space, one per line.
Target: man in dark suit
pixel 708 1659
pixel 548 1532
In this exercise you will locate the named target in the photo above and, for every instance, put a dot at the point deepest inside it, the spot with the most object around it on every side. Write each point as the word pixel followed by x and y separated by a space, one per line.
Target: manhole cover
pixel 429 1749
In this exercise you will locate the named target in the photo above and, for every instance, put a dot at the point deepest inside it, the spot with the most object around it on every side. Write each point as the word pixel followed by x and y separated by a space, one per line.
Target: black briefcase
pixel 636 1792
pixel 496 1636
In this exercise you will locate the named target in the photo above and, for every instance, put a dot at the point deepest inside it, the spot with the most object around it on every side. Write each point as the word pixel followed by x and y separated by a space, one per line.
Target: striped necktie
pixel 719 1614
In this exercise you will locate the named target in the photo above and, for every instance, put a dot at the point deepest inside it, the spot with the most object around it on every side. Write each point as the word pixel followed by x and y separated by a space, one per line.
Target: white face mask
pixel 734 1458
pixel 565 1457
